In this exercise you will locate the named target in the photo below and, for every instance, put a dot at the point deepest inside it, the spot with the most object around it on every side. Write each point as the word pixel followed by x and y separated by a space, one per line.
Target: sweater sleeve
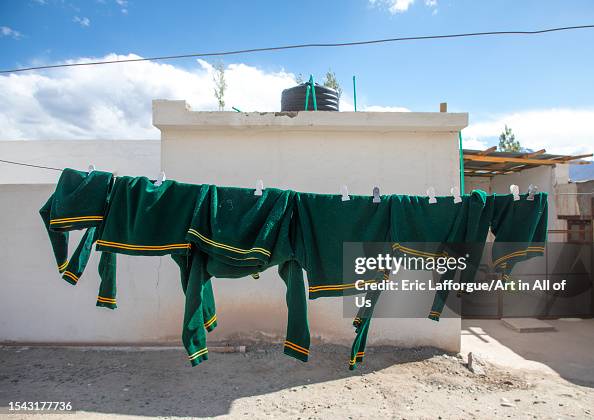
pixel 298 340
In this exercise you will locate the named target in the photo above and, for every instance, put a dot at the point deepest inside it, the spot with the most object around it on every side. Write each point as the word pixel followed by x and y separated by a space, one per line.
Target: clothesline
pixel 455 192
pixel 30 165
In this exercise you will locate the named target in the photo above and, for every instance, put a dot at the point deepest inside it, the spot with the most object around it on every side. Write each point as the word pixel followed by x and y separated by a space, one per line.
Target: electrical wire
pixel 31 165
pixel 296 46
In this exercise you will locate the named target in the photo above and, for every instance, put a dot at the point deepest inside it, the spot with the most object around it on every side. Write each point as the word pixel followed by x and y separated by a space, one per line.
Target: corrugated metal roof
pixel 490 162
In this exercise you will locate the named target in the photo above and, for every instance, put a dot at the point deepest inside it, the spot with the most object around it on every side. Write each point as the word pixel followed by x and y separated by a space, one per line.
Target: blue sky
pixel 489 77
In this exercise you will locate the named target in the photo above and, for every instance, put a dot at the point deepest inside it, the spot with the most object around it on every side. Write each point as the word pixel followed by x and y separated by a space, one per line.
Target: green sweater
pixel 323 223
pixel 144 219
pixel 79 202
pixel 244 234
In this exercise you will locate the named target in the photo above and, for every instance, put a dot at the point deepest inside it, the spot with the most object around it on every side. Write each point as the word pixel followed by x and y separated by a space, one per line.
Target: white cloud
pixel 401 6
pixel 82 21
pixel 9 32
pixel 473 143
pixel 124 6
pixel 558 130
pixel 114 100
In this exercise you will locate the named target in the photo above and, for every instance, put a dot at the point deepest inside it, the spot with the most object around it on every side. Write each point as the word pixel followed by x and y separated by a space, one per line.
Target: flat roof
pixel 178 115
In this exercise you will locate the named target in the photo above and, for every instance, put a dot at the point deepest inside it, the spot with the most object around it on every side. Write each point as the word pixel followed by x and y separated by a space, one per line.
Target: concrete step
pixel 527 325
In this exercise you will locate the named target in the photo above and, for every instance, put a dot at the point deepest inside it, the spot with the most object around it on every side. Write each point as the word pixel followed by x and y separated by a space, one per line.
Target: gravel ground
pixel 263 383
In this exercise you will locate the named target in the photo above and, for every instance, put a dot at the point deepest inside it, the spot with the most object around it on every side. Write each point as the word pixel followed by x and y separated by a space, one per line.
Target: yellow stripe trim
pixel 228 247
pixel 63 266
pixel 70 275
pixel 296 348
pixel 76 219
pixel 405 248
pixel 417 252
pixel 519 253
pixel 337 286
pixel 296 345
pixel 210 321
pixel 198 354
pixel 143 247
pixel 104 299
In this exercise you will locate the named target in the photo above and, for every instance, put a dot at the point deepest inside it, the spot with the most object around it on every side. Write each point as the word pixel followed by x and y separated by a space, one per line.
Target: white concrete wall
pixel 317 152
pixel 477 183
pixel 36 305
pixel 126 157
pixel 400 153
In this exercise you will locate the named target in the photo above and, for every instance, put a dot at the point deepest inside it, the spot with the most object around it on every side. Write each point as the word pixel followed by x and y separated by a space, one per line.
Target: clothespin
pixel 259 187
pixel 376 195
pixel 515 190
pixel 431 195
pixel 161 178
pixel 344 191
pixel 456 193
pixel 532 189
pixel 91 168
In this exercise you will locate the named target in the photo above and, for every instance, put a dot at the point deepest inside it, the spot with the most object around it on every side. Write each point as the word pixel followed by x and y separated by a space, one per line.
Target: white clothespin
pixel 376 195
pixel 161 178
pixel 431 195
pixel 259 187
pixel 91 168
pixel 456 193
pixel 515 191
pixel 532 189
pixel 344 191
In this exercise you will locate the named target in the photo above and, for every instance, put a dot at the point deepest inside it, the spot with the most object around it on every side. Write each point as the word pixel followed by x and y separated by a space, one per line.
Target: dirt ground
pixel 263 383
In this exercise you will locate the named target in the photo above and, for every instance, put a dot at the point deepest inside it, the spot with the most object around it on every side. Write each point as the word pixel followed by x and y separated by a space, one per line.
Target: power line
pixel 296 46
pixel 31 165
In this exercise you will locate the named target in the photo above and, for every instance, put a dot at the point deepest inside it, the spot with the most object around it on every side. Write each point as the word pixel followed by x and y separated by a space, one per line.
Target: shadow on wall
pixel 160 382
pixel 568 350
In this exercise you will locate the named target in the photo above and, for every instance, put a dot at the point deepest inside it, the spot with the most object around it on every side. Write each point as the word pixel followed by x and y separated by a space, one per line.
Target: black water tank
pixel 293 99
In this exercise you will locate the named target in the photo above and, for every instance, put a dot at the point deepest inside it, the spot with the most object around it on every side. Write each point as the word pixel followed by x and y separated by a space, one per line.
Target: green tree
pixel 508 142
pixel 332 83
pixel 220 84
